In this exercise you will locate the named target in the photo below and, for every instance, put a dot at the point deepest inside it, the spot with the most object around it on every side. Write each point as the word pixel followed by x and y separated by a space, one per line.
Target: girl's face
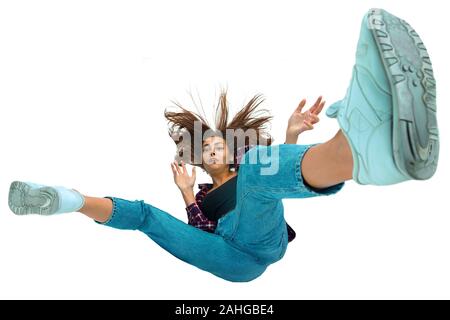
pixel 214 154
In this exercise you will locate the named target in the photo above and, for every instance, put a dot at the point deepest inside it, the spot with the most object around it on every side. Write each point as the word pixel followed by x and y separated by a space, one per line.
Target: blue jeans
pixel 247 239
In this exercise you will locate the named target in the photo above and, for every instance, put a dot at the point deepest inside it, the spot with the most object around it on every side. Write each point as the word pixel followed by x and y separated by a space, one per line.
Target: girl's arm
pixel 197 219
pixel 302 121
pixel 188 197
pixel 291 138
pixel 195 215
pixel 184 181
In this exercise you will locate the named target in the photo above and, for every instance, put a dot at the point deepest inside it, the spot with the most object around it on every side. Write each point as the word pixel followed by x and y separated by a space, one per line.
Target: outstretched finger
pixel 183 167
pixel 301 105
pixel 316 105
pixel 174 171
pixel 177 167
pixel 320 107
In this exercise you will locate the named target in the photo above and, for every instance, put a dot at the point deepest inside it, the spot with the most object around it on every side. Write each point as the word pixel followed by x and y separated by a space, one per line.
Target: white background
pixel 83 87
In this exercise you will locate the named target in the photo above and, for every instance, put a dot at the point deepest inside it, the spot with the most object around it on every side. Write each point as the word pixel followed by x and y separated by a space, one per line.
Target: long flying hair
pixel 184 125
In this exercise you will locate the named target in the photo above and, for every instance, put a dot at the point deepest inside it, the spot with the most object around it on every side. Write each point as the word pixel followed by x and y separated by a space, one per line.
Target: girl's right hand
pixel 181 177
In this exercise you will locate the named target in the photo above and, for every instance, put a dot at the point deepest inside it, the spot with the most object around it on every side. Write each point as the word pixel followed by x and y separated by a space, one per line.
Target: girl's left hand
pixel 302 121
pixel 181 177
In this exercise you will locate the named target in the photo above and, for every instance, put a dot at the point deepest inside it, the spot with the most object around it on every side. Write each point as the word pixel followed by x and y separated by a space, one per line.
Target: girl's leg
pixel 207 251
pixel 99 209
pixel 279 171
pixel 329 163
pixel 268 174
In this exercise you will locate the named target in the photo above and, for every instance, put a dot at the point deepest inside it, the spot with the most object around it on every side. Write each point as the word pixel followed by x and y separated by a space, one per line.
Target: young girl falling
pixel 236 227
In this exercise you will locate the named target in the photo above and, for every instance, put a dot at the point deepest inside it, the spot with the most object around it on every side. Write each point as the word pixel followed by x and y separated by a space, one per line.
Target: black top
pixel 220 201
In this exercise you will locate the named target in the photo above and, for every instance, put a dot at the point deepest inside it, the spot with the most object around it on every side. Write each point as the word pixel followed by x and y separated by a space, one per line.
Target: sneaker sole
pixel 409 70
pixel 24 200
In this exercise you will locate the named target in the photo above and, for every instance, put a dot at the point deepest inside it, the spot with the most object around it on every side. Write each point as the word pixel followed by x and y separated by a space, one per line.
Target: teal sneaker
pixel 389 112
pixel 32 198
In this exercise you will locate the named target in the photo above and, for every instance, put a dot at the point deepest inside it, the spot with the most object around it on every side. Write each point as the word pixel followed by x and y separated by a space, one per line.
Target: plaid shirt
pixel 195 215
